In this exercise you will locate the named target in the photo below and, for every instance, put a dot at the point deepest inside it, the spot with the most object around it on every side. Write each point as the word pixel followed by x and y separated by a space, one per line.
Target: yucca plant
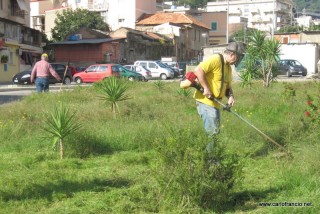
pixel 184 92
pixel 59 124
pixel 159 85
pixel 113 91
pixel 265 52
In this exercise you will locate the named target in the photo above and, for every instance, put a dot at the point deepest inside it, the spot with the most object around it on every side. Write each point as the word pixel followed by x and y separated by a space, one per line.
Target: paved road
pixel 10 96
pixel 10 93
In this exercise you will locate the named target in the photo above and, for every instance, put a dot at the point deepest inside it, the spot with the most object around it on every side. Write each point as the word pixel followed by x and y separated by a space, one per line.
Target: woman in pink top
pixel 41 73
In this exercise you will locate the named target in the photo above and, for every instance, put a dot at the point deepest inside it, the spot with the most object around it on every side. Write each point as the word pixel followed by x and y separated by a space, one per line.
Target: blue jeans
pixel 42 84
pixel 211 120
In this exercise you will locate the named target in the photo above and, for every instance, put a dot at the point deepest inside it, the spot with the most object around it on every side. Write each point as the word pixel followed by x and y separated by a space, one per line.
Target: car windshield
pixel 162 65
pixel 294 63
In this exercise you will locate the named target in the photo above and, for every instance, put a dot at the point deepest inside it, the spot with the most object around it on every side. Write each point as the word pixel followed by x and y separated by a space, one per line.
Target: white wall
pixel 307 54
pixel 167 29
pixel 124 13
pixel 121 13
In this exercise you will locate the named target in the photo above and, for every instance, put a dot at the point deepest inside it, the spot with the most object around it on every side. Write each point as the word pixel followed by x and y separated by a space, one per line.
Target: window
pixel 1 5
pixel 285 40
pixel 58 67
pixel 92 68
pixel 78 1
pixel 115 69
pixel 214 26
pixel 103 68
pixel 143 64
pixel 10 58
pixel 152 65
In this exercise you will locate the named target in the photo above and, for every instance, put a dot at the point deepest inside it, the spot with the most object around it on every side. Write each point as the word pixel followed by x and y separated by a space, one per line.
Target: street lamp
pixel 227 33
pixel 273 19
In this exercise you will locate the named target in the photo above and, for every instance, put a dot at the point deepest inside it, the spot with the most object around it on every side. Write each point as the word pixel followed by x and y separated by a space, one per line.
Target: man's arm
pixel 229 94
pixel 33 73
pixel 203 81
pixel 54 73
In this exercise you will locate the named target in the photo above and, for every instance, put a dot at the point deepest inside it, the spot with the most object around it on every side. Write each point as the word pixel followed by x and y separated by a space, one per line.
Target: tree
pixel 314 27
pixel 261 58
pixel 72 20
pixel 289 29
pixel 242 35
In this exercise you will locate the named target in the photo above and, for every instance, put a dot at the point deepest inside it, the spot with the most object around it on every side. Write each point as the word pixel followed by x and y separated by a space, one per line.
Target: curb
pixel 12 87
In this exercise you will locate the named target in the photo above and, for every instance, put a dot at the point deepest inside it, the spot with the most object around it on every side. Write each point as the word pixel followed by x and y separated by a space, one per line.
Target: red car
pixel 97 72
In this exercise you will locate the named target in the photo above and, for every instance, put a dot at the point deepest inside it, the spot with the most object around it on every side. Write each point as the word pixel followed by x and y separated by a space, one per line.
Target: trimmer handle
pixel 227 107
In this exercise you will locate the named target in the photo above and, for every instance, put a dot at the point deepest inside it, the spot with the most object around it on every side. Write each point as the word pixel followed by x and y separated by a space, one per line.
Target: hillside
pixel 309 5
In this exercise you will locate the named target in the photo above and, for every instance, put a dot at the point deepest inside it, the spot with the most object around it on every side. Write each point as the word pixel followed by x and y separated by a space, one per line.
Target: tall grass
pixel 114 165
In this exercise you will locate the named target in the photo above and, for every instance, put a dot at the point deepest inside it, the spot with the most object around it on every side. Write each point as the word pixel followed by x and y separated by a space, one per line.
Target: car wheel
pixel 67 81
pixel 289 73
pixel 131 78
pixel 163 76
pixel 144 79
pixel 78 80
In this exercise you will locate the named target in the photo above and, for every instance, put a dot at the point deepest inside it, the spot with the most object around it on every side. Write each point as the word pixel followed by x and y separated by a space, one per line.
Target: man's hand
pixel 207 93
pixel 231 101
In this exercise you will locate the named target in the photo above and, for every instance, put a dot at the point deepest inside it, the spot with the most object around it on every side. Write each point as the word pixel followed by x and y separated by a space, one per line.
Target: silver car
pixel 291 67
pixel 141 70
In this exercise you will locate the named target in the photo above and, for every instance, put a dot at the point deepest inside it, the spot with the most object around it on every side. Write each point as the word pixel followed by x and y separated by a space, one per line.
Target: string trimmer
pixel 190 81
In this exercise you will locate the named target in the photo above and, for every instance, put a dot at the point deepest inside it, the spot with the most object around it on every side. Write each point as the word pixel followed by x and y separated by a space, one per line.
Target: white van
pixel 157 69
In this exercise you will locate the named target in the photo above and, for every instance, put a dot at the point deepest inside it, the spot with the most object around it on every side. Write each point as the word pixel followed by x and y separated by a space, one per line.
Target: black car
pixel 291 67
pixel 24 76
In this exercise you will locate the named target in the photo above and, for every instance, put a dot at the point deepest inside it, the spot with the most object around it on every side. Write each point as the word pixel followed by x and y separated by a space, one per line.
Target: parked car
pixel 76 69
pixel 291 67
pixel 24 76
pixel 141 70
pixel 174 65
pixel 183 67
pixel 97 72
pixel 131 75
pixel 157 69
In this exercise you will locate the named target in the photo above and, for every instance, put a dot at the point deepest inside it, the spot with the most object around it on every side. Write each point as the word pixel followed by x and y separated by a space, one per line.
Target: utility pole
pixel 227 33
pixel 273 18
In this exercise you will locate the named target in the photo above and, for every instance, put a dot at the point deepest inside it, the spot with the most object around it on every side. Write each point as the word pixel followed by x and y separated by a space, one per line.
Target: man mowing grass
pixel 215 76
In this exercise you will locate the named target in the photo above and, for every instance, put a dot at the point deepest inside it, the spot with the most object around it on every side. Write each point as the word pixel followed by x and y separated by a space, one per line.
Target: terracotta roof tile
pixel 176 18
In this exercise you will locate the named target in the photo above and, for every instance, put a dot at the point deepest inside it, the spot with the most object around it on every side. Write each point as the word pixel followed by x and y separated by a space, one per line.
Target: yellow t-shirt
pixel 213 73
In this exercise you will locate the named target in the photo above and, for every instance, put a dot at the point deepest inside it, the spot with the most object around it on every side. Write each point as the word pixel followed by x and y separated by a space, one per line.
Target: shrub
pixel 190 177
pixel 313 111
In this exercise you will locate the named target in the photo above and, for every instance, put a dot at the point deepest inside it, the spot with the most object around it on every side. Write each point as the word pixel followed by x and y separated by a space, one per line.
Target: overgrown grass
pixel 112 164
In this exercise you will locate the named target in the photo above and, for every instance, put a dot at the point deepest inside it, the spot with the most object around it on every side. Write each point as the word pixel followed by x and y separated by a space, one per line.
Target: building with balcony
pixel 19 44
pixel 264 15
pixel 44 12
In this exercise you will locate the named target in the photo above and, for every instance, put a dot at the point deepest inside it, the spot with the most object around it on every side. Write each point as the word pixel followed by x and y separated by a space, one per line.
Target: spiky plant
pixel 159 85
pixel 184 92
pixel 266 52
pixel 113 90
pixel 60 123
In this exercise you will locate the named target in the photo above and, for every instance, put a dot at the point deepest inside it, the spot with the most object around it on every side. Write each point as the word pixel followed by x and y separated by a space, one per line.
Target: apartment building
pixel 19 44
pixel 264 15
pixel 120 13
